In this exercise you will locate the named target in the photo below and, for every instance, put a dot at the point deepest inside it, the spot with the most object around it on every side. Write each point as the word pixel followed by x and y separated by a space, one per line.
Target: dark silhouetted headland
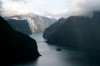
pixel 15 46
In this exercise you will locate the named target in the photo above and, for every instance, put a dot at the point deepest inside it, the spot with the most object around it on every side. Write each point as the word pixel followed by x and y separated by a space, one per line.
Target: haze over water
pixel 52 57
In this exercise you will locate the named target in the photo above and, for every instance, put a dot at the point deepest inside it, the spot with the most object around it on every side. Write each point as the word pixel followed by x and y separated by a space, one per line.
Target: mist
pixel 70 8
pixel 0 8
pixel 83 7
pixel 35 34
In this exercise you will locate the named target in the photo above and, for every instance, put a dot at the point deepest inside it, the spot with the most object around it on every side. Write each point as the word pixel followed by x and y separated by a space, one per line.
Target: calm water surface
pixel 52 57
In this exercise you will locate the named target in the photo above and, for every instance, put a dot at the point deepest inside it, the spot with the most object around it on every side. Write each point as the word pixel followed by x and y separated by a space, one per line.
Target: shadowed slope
pixel 15 46
pixel 79 31
pixel 20 25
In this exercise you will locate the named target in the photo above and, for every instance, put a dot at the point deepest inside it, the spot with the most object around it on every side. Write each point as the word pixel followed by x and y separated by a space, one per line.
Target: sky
pixel 49 8
pixel 41 7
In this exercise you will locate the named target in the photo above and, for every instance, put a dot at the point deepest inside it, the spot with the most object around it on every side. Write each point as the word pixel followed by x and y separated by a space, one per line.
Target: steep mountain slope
pixel 78 31
pixel 36 23
pixel 52 28
pixel 15 46
pixel 20 25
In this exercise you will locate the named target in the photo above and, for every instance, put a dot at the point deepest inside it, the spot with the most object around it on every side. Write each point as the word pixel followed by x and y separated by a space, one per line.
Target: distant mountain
pixel 36 23
pixel 77 31
pixel 20 25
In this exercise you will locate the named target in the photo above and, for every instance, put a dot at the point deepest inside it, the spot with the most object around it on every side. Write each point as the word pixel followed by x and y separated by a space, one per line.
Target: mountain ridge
pixel 77 31
pixel 36 23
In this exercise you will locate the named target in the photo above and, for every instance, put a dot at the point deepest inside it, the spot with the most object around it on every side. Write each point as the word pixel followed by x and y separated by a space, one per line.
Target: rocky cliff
pixel 36 23
pixel 77 31
pixel 15 46
pixel 20 25
pixel 52 28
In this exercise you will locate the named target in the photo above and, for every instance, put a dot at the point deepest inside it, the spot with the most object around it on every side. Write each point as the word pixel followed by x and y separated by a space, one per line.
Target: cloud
pixel 80 7
pixel 24 1
pixel 83 7
pixel 13 7
pixel 53 8
pixel 44 7
pixel 0 8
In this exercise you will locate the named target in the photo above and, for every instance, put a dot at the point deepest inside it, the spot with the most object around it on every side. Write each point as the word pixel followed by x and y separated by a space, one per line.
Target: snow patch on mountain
pixel 36 23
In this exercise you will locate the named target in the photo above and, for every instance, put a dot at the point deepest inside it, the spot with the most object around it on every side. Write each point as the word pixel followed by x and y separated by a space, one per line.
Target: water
pixel 52 57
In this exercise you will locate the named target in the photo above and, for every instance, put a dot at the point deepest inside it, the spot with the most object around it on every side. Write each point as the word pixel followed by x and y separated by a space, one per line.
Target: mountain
pixel 20 25
pixel 77 31
pixel 36 23
pixel 52 28
pixel 15 46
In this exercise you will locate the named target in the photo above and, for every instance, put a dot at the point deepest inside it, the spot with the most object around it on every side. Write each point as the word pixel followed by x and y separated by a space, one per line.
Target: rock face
pixel 50 30
pixel 36 23
pixel 77 31
pixel 20 25
pixel 15 46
